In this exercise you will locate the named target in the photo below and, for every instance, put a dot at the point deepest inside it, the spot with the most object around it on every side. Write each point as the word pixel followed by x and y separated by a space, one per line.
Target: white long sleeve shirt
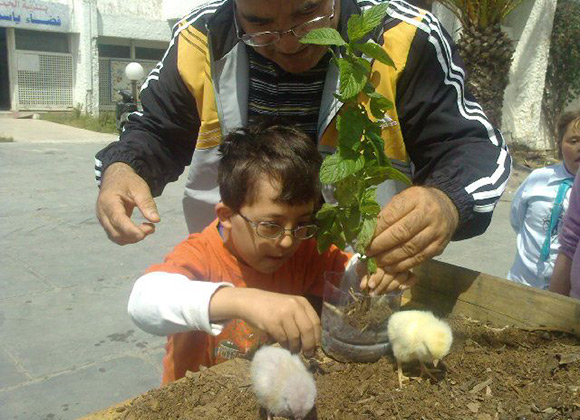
pixel 531 211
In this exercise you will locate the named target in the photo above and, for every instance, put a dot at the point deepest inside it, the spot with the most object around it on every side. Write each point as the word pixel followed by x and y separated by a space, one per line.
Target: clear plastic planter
pixel 341 340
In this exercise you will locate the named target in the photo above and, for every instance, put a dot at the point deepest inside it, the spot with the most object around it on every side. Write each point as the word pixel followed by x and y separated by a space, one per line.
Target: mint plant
pixel 359 163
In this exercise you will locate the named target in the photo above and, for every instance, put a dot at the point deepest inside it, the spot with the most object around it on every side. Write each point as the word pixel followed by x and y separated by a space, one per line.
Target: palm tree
pixel 486 49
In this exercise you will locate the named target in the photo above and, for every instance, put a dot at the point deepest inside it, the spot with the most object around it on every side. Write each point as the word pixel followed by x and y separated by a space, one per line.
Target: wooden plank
pixel 446 288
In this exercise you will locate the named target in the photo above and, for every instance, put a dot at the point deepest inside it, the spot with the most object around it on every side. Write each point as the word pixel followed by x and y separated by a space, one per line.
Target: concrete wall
pixel 85 56
pixel 173 10
pixel 135 19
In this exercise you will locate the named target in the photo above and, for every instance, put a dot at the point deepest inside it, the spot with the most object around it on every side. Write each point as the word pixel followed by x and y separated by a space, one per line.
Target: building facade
pixel 61 54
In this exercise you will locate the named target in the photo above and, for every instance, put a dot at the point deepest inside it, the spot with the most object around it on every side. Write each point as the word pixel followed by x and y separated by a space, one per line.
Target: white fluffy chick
pixel 418 335
pixel 282 384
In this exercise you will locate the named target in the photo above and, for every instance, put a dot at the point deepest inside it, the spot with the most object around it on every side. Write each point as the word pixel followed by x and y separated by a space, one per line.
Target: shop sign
pixel 35 14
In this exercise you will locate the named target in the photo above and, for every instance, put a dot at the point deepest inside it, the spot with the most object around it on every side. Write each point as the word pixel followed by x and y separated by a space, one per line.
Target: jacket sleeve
pixel 451 143
pixel 159 141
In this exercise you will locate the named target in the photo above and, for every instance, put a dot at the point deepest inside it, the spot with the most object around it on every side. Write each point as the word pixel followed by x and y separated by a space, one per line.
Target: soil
pixel 489 374
pixel 365 313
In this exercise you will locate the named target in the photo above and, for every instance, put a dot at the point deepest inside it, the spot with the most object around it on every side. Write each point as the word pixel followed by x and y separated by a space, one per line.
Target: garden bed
pixel 495 370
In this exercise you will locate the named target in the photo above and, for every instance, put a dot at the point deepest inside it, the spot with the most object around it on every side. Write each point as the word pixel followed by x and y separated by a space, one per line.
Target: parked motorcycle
pixel 125 106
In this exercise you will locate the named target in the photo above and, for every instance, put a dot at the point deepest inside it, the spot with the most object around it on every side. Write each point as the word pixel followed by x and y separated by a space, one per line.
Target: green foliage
pixel 360 163
pixel 105 123
pixel 563 72
pixel 481 14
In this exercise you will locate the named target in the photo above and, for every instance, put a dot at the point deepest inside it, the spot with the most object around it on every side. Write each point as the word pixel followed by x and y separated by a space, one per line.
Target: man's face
pixel 571 147
pixel 280 15
pixel 263 254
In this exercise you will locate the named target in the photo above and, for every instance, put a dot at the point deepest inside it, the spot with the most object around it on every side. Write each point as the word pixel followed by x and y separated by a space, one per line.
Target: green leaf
pixel 323 36
pixel 374 50
pixel 377 174
pixel 327 212
pixel 371 265
pixel 366 234
pixel 350 221
pixel 352 79
pixel 379 105
pixel 335 167
pixel 338 237
pixel 368 204
pixel 398 175
pixel 323 241
pixel 362 65
pixel 355 28
pixel 374 16
pixel 378 146
pixel 350 127
pixel 346 191
pixel 359 25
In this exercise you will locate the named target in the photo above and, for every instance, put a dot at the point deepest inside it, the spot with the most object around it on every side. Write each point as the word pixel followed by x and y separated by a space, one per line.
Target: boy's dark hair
pixel 282 153
pixel 563 122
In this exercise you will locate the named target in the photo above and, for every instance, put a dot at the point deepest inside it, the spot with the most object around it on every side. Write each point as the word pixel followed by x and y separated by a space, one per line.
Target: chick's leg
pixel 400 374
pixel 425 370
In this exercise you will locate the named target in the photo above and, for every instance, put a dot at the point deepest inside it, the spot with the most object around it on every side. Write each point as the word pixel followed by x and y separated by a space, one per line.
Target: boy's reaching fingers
pixel 292 333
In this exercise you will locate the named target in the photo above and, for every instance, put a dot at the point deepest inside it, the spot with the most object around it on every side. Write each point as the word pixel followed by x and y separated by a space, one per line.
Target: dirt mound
pixel 490 374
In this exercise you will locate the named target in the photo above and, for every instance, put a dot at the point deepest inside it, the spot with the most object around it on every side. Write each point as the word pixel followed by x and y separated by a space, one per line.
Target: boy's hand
pixel 288 319
pixel 382 282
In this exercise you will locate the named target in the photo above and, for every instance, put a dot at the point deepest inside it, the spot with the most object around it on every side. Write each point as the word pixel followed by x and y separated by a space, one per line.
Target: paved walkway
pixel 67 346
pixel 27 130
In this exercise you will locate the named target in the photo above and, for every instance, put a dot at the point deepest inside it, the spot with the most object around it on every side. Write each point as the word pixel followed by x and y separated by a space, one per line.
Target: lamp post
pixel 134 71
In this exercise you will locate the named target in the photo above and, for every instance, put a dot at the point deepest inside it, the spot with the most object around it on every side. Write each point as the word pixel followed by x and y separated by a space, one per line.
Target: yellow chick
pixel 418 335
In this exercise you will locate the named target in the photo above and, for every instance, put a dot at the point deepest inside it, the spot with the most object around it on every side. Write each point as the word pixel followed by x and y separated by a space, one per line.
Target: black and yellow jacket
pixel 199 91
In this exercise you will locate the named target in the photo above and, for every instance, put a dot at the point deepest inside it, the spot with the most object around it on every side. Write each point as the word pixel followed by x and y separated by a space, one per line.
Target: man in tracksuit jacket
pixel 212 81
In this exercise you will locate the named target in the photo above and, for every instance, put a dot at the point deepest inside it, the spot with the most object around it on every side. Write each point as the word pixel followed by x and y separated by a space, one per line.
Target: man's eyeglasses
pixel 270 230
pixel 263 39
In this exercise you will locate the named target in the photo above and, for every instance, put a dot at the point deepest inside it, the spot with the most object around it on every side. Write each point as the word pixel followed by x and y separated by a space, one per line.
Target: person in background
pixel 566 276
pixel 539 205
pixel 232 61
pixel 244 279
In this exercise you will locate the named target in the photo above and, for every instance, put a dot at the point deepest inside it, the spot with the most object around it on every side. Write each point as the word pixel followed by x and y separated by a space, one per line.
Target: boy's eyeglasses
pixel 270 230
pixel 263 39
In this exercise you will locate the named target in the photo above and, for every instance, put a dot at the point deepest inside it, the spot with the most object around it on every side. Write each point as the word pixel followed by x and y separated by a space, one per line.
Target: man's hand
pixel 381 282
pixel 121 191
pixel 288 319
pixel 415 225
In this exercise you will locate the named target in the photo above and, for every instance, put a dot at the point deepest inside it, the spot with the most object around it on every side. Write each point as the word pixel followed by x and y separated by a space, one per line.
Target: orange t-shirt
pixel 203 256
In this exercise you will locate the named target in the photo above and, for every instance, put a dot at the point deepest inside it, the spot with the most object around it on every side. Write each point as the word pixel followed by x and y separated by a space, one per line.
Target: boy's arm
pixel 163 303
pixel 290 320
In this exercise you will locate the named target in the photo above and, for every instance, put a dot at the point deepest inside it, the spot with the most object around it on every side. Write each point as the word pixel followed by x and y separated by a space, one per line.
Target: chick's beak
pixel 435 362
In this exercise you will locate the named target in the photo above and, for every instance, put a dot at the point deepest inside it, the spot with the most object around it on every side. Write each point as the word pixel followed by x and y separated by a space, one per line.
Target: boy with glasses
pixel 225 291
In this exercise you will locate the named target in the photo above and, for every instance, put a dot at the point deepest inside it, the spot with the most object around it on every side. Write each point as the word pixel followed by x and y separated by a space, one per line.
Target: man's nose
pixel 289 43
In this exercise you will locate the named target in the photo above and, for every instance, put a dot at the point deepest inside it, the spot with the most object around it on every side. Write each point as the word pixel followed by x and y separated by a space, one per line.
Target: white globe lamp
pixel 134 71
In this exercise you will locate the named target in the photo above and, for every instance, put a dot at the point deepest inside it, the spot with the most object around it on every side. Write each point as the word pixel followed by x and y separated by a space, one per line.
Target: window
pixel 114 51
pixel 149 53
pixel 42 41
